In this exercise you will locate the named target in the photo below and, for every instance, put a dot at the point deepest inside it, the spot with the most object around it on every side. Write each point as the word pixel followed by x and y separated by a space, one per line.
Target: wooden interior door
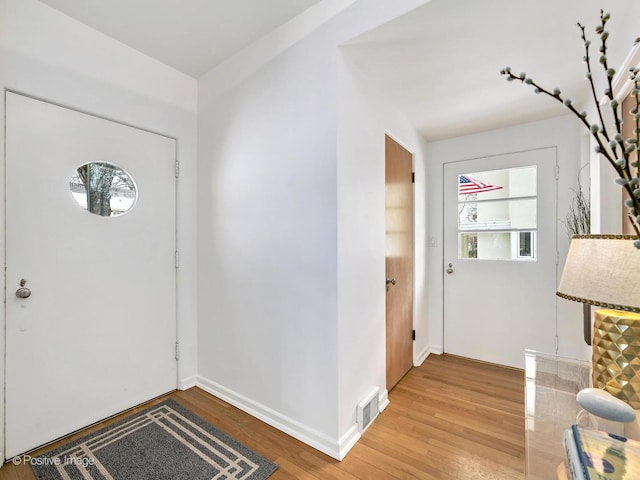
pixel 627 131
pixel 399 260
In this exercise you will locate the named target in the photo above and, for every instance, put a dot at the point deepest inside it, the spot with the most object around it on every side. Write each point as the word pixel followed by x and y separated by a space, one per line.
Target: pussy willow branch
pixel 613 149
pixel 587 60
pixel 604 18
pixel 604 147
pixel 610 72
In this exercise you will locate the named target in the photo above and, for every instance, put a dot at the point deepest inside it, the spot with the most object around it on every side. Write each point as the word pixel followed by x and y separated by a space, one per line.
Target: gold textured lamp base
pixel 616 354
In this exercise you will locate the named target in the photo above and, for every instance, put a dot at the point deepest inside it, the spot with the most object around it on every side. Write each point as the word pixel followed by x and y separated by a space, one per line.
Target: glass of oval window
pixel 103 189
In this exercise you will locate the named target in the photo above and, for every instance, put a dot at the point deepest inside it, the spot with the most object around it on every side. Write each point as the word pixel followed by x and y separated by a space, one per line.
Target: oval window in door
pixel 103 188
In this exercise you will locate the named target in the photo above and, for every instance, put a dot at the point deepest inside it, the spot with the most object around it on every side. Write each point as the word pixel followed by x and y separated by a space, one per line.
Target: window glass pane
pixel 103 188
pixel 498 184
pixel 498 215
pixel 468 245
pixel 525 244
pixel 496 245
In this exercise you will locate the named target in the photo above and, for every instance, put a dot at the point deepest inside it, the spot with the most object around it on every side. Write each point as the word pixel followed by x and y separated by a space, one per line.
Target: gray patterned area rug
pixel 163 442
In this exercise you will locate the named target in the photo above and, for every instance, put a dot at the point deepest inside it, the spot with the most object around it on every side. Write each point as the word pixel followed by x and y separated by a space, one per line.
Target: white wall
pixel 267 244
pixel 275 335
pixel 50 56
pixel 564 133
pixel 364 117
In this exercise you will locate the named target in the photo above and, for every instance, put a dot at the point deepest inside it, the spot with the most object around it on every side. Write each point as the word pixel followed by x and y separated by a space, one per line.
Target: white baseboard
pixel 347 441
pixel 428 350
pixel 383 400
pixel 187 383
pixel 320 441
pixel 436 349
pixel 421 356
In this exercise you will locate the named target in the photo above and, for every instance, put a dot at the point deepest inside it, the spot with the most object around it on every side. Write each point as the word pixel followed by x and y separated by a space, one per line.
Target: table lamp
pixel 604 271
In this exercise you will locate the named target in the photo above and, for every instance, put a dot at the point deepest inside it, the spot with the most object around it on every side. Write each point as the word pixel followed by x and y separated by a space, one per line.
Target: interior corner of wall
pixel 187 382
pixel 347 442
pixel 424 354
pixel 351 437
pixel 421 356
pixel 383 400
pixel 436 349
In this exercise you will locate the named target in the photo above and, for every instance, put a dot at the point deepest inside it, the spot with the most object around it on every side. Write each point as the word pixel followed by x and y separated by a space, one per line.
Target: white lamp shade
pixel 602 270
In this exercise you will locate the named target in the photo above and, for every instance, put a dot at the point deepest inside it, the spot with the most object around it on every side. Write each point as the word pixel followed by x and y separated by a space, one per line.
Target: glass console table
pixel 551 386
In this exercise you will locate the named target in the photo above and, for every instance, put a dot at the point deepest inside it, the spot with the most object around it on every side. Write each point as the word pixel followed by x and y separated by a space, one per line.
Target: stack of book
pixel 596 455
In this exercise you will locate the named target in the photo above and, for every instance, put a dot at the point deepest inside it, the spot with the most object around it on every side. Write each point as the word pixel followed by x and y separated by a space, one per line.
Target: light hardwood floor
pixel 450 418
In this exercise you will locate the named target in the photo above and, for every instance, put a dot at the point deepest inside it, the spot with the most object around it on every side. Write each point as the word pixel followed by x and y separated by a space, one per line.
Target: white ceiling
pixel 192 36
pixel 439 64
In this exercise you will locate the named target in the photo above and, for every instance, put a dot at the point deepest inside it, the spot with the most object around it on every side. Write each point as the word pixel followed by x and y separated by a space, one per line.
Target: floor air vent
pixel 367 410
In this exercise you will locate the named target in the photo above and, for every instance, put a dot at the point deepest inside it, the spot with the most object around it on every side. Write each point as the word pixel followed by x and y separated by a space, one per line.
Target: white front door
pixel 97 333
pixel 500 256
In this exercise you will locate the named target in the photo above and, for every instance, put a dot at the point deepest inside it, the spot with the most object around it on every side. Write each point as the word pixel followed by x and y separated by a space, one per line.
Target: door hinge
pixel 413 335
pixel 557 258
pixel 557 343
pixel 177 168
pixel 413 177
pixel 177 350
pixel 557 172
pixel 177 259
